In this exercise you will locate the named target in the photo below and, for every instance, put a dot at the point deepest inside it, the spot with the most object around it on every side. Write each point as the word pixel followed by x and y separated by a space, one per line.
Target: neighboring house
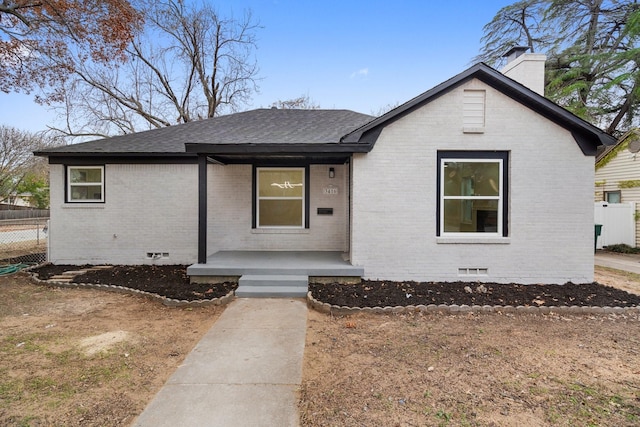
pixel 617 176
pixel 19 200
pixel 479 178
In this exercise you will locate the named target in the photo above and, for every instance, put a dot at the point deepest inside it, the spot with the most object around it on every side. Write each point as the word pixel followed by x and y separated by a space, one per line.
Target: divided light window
pixel 280 197
pixel 85 184
pixel 472 197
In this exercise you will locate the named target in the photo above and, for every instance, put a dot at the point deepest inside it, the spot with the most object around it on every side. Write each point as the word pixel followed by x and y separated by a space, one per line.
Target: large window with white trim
pixel 280 197
pixel 472 193
pixel 85 184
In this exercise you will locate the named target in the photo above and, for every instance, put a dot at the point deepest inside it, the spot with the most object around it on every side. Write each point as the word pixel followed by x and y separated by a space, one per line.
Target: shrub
pixel 623 249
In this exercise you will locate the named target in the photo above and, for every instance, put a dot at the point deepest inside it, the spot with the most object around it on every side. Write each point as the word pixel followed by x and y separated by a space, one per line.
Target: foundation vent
pixel 473 271
pixel 157 255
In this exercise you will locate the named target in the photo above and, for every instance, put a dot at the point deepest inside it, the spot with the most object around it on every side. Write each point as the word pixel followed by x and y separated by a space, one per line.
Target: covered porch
pixel 273 273
pixel 273 201
pixel 309 263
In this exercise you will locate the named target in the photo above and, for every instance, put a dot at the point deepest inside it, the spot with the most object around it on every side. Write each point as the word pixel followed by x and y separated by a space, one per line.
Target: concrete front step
pixel 272 286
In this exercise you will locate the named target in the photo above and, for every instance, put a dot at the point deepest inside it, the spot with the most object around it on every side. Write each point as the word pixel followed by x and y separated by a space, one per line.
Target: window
pixel 85 184
pixel 280 197
pixel 613 196
pixel 472 193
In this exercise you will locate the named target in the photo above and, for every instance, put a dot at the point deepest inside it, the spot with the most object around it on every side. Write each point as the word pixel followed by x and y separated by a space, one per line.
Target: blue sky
pixel 356 55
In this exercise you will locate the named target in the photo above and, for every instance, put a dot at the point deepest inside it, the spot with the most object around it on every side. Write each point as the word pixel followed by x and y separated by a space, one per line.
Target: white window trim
pixel 258 198
pixel 499 198
pixel 85 184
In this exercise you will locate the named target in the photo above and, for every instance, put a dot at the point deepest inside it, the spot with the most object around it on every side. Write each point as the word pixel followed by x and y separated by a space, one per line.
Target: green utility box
pixel 598 231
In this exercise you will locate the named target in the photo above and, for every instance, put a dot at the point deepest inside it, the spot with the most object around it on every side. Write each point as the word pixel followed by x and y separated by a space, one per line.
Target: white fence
pixel 618 223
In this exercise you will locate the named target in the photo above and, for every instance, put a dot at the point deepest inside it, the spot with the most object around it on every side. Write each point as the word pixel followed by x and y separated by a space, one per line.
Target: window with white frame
pixel 85 184
pixel 472 193
pixel 280 197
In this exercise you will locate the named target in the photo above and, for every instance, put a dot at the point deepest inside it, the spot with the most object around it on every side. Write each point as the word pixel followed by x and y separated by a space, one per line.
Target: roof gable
pixel 305 132
pixel 606 154
pixel 587 136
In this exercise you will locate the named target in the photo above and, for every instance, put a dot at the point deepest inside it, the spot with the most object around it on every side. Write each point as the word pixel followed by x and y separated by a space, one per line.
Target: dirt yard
pixel 474 369
pixel 79 357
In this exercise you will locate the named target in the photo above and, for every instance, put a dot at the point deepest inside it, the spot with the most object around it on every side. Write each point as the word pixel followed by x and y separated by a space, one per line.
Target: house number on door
pixel 331 190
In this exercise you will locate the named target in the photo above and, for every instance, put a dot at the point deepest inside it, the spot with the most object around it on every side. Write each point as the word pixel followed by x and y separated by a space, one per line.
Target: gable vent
pixel 473 111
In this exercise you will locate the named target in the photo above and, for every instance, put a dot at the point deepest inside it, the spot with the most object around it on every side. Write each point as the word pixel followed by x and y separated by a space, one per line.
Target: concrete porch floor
pixel 308 263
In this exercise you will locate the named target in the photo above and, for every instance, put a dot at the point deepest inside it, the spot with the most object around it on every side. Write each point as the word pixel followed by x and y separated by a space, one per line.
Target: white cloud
pixel 361 73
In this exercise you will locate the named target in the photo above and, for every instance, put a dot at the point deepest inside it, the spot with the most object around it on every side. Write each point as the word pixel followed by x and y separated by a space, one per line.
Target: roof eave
pixel 276 149
pixel 110 154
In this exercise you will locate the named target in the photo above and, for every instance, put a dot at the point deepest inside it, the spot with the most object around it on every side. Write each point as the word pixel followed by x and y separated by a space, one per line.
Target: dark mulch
pixel 383 293
pixel 171 281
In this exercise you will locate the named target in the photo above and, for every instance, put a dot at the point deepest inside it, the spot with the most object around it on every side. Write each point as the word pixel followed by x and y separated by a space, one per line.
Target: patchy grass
pixel 484 369
pixel 620 273
pixel 48 376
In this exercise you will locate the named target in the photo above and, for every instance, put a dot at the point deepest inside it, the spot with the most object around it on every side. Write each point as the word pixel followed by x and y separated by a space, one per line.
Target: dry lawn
pixel 474 369
pixel 91 358
pixel 78 357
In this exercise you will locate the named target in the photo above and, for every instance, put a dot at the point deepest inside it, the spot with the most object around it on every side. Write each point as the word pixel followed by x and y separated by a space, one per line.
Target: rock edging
pixel 169 302
pixel 327 308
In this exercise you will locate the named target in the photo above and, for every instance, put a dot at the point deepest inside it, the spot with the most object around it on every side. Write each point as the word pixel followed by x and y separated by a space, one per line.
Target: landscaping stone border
pixel 169 302
pixel 327 308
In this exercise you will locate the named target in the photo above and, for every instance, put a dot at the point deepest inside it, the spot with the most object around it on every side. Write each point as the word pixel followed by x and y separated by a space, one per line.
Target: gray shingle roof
pixel 273 131
pixel 255 127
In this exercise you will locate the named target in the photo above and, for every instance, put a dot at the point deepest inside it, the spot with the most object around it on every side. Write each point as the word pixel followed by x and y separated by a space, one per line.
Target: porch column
pixel 202 209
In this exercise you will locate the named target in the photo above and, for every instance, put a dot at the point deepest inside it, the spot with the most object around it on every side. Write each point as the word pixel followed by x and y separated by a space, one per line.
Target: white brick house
pixel 459 183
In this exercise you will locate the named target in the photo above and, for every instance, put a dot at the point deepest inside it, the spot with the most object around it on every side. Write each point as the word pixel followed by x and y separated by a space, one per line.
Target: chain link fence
pixel 23 240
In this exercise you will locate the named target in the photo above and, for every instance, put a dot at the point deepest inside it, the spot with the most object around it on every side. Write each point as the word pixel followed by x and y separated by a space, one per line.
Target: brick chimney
pixel 525 68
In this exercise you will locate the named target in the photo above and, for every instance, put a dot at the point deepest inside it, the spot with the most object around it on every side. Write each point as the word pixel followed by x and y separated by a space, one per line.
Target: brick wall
pixel 550 198
pixel 154 208
pixel 230 217
pixel 148 208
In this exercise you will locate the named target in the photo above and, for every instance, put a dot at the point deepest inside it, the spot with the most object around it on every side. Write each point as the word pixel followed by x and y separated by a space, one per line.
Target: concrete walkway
pixel 630 263
pixel 245 371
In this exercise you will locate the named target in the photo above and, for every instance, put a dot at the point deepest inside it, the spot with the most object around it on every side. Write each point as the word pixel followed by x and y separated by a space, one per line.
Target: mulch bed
pixel 171 281
pixel 384 293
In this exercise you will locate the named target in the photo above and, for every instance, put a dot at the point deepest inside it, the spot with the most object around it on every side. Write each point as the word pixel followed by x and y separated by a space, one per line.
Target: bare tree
pixel 303 102
pixel 385 109
pixel 16 158
pixel 190 63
